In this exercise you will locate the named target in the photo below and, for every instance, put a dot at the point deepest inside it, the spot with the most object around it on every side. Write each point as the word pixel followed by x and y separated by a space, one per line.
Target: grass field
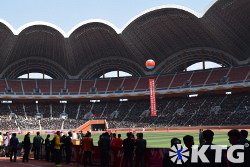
pixel 162 139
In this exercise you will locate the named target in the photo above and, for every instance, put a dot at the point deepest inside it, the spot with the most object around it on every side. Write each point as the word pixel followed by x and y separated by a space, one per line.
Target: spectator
pixel 243 140
pixel 235 139
pixel 128 149
pixel 26 147
pixel 140 150
pixel 57 147
pixel 104 146
pixel 13 147
pixel 52 151
pixel 116 146
pixel 247 150
pixel 79 137
pixel 6 143
pixel 189 142
pixel 166 159
pixel 74 135
pixel 68 147
pixel 87 145
pixel 119 137
pixel 47 148
pixel 63 148
pixel 82 135
pixel 208 136
pixel 37 142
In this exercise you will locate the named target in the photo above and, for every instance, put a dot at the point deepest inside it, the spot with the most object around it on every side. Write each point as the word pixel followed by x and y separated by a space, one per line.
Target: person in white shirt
pixel 74 136
pixel 6 139
pixel 6 142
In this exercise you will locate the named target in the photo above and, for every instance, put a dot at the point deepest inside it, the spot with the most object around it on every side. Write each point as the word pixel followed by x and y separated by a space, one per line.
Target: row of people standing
pixel 134 150
pixel 36 148
pixel 57 147
pixel 53 148
pixel 109 145
pixel 11 145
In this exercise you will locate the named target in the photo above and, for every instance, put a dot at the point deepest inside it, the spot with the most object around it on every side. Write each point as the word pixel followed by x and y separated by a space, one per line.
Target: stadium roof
pixel 174 37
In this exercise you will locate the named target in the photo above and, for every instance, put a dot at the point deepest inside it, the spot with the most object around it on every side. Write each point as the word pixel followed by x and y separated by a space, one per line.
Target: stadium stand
pixel 216 110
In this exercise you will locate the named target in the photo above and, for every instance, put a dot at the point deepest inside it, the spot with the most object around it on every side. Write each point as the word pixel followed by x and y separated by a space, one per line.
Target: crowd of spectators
pixel 184 111
pixel 215 110
pixel 61 145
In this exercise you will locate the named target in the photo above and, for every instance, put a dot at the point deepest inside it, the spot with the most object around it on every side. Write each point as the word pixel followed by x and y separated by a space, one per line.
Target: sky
pixel 68 13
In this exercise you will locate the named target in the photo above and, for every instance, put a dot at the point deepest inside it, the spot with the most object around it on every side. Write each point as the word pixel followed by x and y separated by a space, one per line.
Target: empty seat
pixel 29 85
pixel 181 79
pixel 238 74
pixel 101 85
pixel 43 85
pixel 199 77
pixel 73 86
pixel 216 75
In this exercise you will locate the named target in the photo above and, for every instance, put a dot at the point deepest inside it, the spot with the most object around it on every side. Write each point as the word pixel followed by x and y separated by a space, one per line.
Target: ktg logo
pixel 180 155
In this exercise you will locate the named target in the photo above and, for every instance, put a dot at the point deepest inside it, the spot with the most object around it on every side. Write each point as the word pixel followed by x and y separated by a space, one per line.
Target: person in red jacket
pixel 87 145
pixel 116 146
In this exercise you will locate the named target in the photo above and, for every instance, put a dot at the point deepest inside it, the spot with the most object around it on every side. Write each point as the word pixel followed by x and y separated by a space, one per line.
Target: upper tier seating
pixel 130 84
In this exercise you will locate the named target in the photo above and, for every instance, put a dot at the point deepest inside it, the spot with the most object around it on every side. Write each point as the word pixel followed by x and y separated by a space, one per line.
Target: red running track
pixel 5 162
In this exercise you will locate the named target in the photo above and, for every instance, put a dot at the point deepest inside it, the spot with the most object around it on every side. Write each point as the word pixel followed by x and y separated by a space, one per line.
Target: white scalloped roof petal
pixel 118 30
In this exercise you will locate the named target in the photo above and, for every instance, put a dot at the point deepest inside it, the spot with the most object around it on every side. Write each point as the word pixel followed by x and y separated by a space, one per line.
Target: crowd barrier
pixel 153 156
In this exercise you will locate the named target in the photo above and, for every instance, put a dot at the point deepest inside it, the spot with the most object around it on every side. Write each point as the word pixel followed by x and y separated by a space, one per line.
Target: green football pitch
pixel 162 139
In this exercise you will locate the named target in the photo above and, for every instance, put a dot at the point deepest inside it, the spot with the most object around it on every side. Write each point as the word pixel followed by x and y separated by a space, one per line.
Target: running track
pixel 5 162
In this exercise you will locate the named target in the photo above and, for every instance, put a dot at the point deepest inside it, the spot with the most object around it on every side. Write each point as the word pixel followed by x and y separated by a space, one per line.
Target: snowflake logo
pixel 178 154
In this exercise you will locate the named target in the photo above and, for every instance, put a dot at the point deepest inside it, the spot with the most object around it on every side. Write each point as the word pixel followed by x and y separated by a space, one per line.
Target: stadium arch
pixel 34 64
pixel 101 66
pixel 183 59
